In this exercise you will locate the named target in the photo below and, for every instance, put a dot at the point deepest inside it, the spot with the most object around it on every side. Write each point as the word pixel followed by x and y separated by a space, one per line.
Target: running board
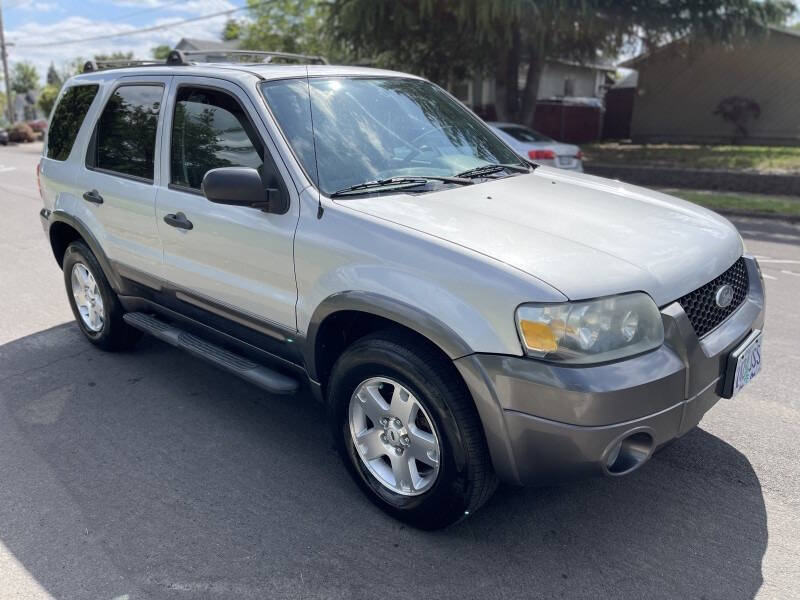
pixel 257 374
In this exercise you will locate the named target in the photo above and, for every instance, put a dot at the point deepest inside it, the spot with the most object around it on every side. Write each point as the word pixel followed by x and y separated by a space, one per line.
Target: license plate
pixel 744 364
pixel 564 161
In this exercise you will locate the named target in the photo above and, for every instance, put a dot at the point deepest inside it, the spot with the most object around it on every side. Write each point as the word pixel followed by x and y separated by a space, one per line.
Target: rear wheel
pixel 408 430
pixel 96 307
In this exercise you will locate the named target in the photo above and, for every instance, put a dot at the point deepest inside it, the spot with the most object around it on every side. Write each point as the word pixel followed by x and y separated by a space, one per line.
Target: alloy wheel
pixel 87 297
pixel 394 436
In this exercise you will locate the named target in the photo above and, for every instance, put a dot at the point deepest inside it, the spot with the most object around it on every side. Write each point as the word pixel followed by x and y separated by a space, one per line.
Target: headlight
pixel 591 331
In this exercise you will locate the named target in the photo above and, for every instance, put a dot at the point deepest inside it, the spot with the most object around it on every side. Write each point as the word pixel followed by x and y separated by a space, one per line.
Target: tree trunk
pixel 507 82
pixel 531 91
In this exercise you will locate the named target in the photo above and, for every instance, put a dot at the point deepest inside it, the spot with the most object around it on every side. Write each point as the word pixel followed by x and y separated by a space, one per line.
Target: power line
pixel 138 31
pixel 127 16
pixel 18 4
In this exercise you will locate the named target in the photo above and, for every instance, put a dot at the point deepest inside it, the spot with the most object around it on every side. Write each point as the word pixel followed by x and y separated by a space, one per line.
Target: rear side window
pixel 522 134
pixel 124 139
pixel 210 130
pixel 67 120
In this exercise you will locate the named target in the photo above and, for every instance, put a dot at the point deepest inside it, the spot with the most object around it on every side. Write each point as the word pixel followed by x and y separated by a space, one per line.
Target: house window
pixel 569 86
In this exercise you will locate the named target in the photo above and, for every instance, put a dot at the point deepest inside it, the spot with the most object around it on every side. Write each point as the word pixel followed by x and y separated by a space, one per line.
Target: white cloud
pixel 40 7
pixel 29 34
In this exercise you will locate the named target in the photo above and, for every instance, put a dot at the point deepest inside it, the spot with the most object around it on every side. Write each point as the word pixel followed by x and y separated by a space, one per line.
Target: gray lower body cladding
pixel 546 422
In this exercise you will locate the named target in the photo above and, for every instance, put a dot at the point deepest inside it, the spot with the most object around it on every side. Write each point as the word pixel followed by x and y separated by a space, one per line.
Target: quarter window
pixel 67 120
pixel 210 130
pixel 125 137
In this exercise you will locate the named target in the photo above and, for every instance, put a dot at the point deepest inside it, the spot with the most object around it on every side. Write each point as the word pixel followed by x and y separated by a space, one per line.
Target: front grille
pixel 701 306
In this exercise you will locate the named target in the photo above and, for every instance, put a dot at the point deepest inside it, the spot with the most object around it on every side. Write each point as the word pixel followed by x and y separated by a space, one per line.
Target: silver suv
pixel 465 316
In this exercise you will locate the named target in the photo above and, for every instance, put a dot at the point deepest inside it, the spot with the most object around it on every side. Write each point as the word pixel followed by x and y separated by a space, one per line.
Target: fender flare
pixel 58 216
pixel 389 308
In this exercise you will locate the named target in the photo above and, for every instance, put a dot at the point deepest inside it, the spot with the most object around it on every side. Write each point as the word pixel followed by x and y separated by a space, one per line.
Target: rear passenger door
pixel 236 262
pixel 119 172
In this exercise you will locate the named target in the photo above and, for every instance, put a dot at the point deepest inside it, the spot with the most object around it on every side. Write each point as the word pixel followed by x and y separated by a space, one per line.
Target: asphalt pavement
pixel 151 475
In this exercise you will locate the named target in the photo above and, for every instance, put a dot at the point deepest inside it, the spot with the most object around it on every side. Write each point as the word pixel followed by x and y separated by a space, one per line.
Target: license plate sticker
pixel 747 364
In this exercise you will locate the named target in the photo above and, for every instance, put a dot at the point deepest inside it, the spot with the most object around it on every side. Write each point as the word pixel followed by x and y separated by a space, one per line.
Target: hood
pixel 583 235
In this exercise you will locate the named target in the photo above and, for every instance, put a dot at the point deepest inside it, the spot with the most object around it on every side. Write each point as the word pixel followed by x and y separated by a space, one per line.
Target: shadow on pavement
pixel 152 475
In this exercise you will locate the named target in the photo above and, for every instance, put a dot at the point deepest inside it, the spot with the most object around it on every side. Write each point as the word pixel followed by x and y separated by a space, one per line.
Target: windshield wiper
pixel 397 183
pixel 489 169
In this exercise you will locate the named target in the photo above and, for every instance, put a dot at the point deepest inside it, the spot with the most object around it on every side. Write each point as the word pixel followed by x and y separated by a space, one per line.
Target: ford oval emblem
pixel 724 296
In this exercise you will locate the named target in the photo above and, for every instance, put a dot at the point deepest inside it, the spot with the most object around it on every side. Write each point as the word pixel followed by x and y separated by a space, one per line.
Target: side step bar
pixel 257 374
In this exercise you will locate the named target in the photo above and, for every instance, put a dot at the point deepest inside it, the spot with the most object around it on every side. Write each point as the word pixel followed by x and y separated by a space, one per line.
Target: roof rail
pixel 180 57
pixel 101 65
pixel 266 56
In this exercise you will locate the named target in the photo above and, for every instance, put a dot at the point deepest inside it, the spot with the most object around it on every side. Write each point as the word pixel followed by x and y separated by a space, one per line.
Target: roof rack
pixel 101 65
pixel 181 57
pixel 265 56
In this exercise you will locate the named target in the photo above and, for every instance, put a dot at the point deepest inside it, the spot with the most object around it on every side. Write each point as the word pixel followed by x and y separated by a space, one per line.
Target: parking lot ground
pixel 150 475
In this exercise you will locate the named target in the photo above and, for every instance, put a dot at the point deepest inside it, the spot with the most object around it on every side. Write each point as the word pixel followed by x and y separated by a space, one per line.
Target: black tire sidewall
pixel 448 498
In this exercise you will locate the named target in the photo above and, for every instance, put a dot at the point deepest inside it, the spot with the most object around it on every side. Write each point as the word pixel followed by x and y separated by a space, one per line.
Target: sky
pixel 31 23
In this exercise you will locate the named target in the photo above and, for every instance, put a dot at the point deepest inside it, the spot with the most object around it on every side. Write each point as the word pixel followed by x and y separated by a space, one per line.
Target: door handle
pixel 93 196
pixel 178 220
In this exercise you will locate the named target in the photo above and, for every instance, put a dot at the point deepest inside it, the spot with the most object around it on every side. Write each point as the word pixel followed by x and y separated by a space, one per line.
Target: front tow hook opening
pixel 628 453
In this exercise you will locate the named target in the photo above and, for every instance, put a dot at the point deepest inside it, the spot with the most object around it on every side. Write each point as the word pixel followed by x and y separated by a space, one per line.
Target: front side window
pixel 210 130
pixel 350 130
pixel 68 118
pixel 125 137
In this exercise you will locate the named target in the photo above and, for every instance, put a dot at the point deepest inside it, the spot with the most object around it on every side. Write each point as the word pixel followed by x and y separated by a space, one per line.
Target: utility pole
pixel 5 69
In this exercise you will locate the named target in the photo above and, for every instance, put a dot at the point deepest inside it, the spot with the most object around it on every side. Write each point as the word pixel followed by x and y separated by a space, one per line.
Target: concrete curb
pixel 757 215
pixel 700 179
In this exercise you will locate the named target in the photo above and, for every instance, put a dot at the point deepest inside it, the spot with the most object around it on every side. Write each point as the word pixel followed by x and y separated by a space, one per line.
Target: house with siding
pixel 569 105
pixel 559 79
pixel 214 49
pixel 681 85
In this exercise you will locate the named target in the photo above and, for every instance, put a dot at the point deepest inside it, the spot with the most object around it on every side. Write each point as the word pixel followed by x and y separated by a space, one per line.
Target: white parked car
pixel 464 316
pixel 538 147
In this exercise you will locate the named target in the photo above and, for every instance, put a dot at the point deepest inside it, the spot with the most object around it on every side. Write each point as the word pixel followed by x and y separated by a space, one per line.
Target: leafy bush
pixel 21 132
pixel 738 111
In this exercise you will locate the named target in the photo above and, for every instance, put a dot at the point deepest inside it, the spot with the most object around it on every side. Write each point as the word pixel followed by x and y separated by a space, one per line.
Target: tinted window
pixel 210 130
pixel 125 137
pixel 523 134
pixel 67 120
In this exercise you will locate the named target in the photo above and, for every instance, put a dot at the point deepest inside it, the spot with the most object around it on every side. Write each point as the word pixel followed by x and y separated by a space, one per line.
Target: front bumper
pixel 546 422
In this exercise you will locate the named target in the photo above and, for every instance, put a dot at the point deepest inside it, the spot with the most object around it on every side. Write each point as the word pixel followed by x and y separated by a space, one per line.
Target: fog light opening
pixel 629 453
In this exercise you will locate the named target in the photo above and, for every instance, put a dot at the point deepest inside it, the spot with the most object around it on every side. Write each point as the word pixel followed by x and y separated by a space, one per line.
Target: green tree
pixel 118 55
pixel 24 78
pixel 447 39
pixel 53 77
pixel 72 67
pixel 47 98
pixel 232 30
pixel 160 52
pixel 286 26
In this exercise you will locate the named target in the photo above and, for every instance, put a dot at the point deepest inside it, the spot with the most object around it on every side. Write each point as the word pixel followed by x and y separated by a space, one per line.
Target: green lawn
pixel 734 202
pixel 766 159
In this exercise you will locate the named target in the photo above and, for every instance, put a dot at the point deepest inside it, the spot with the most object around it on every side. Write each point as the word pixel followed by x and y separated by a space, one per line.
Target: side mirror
pixel 243 186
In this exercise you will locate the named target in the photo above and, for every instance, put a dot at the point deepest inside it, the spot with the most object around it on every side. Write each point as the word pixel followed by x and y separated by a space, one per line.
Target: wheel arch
pixel 367 312
pixel 65 229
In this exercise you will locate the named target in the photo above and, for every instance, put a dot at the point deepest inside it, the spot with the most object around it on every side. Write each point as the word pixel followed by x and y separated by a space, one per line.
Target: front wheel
pixel 408 430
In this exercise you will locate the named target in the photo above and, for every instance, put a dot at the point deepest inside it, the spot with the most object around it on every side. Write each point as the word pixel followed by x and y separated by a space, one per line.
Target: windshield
pixel 368 129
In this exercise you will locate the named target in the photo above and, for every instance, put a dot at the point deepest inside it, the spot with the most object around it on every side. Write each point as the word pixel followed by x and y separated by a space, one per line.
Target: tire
pixel 108 331
pixel 462 481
